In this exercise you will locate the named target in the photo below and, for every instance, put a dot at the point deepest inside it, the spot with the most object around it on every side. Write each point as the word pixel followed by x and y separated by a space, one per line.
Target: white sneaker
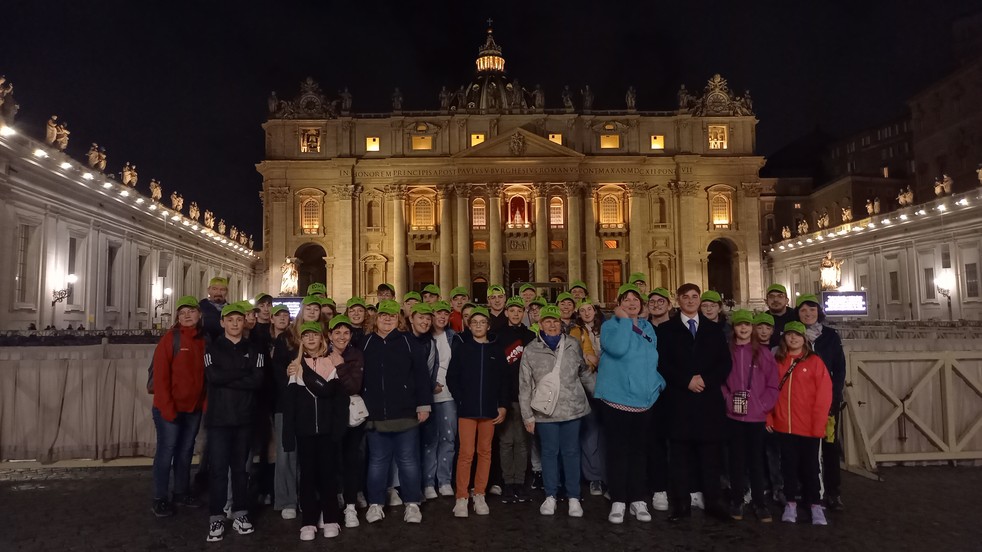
pixel 616 512
pixel 350 516
pixel 332 530
pixel 660 501
pixel 481 506
pixel 242 525
pixel 495 490
pixel 362 503
pixel 446 490
pixel 289 513
pixel 460 508
pixel 374 513
pixel 412 515
pixel 639 510
pixel 575 509
pixel 394 498
pixel 308 532
pixel 429 493
pixel 216 531
pixel 696 501
pixel 548 507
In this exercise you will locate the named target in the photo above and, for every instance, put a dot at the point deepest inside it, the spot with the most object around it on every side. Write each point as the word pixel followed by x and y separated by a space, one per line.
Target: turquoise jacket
pixel 628 371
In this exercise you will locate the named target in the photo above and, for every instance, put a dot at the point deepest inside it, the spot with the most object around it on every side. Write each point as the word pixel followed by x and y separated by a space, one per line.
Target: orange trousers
pixel 473 433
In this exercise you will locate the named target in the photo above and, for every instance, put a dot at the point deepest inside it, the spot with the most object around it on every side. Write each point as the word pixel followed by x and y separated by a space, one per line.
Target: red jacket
pixel 457 321
pixel 179 382
pixel 803 402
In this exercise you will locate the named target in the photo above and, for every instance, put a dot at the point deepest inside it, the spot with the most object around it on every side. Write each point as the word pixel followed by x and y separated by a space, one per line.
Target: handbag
pixel 357 411
pixel 545 394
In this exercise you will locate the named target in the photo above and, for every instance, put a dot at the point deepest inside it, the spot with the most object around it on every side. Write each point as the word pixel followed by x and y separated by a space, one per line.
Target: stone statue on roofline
pixel 92 157
pixel 61 136
pixel 194 211
pixel 396 100
pixel 209 219
pixel 51 130
pixel 221 226
pixel 252 242
pixel 567 99
pixel 539 98
pixel 176 201
pixel 444 98
pixel 345 100
pixel 156 192
pixel 233 233
pixel 126 176
pixel 631 98
pixel 587 97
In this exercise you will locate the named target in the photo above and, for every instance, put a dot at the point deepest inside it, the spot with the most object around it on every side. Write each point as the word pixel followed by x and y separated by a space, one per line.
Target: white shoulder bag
pixel 545 393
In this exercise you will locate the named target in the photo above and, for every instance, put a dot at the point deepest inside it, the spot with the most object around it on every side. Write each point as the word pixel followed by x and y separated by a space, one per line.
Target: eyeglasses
pixel 478 322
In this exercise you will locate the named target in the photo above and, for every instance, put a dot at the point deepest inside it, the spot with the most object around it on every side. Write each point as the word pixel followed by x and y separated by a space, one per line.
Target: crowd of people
pixel 338 413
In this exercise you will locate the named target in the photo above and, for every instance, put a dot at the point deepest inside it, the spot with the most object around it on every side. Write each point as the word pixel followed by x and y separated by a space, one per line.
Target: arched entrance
pixel 722 272
pixel 311 266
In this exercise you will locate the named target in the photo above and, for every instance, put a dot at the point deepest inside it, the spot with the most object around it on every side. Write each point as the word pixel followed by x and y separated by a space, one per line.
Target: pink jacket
pixel 756 375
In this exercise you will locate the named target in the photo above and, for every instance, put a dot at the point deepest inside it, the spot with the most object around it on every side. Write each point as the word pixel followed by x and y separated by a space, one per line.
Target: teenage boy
pixel 318 289
pixel 578 290
pixel 385 291
pixel 528 293
pixel 512 438
pixel 458 298
pixel 409 300
pixel 431 294
pixel 659 306
pixel 496 307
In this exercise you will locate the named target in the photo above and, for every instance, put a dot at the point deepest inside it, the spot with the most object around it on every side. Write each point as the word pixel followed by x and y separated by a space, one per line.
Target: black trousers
pixel 706 457
pixel 627 436
pixel 318 489
pixel 747 455
pixel 228 450
pixel 831 476
pixel 799 464
pixel 353 463
pixel 658 448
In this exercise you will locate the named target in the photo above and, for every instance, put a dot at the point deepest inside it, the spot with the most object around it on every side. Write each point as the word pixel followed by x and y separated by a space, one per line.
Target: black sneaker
pixel 521 495
pixel 186 501
pixel 763 513
pixel 162 507
pixel 834 503
pixel 736 510
pixel 508 495
pixel 779 497
pixel 537 480
pixel 216 531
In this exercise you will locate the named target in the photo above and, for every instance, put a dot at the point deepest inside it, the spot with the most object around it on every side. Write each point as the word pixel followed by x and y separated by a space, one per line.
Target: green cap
pixel 218 281
pixel 794 326
pixel 411 295
pixel 328 301
pixel 356 302
pixel 480 311
pixel 442 306
pixel 776 287
pixel 422 308
pixel 764 318
pixel 661 292
pixel 340 319
pixel 637 277
pixel 389 306
pixel 311 300
pixel 459 290
pixel 432 289
pixel 711 296
pixel 550 311
pixel 316 287
pixel 188 301
pixel 496 289
pixel 235 308
pixel 741 316
pixel 578 284
pixel 540 301
pixel 278 309
pixel 565 296
pixel 534 328
pixel 262 296
pixel 311 327
pixel 525 287
pixel 626 288
pixel 389 286
pixel 245 305
pixel 807 298
pixel 515 302
pixel 585 301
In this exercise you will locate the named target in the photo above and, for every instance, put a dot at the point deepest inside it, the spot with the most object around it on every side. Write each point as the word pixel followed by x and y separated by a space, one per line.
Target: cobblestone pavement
pixel 925 508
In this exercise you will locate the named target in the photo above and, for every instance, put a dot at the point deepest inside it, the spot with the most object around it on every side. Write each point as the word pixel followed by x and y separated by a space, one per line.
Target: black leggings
pixel 353 463
pixel 799 464
pixel 318 489
pixel 627 453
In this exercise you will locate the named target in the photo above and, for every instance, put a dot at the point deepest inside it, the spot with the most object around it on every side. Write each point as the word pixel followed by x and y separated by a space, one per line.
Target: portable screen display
pixel 845 303
pixel 292 303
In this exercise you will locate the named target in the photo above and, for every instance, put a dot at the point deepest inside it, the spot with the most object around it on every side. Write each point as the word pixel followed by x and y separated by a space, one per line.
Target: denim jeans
pixel 593 448
pixel 175 445
pixel 557 438
pixel 228 448
pixel 383 447
pixel 285 472
pixel 439 440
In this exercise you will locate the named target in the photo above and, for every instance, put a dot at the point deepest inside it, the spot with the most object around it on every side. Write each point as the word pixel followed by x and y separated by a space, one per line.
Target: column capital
pixel 494 189
pixel 462 190
pixel 684 188
pixel 395 191
pixel 751 189
pixel 445 191
pixel 343 191
pixel 540 189
pixel 573 189
pixel 278 193
pixel 637 188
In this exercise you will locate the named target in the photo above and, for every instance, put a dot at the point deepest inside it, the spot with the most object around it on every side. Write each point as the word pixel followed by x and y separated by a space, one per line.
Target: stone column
pixel 495 258
pixel 590 228
pixel 342 274
pixel 637 227
pixel 446 242
pixel 541 193
pixel 276 236
pixel 356 226
pixel 397 193
pixel 688 226
pixel 463 233
pixel 574 229
pixel 752 279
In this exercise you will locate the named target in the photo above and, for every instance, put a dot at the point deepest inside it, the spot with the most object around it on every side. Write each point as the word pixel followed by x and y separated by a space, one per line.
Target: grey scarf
pixel 812 332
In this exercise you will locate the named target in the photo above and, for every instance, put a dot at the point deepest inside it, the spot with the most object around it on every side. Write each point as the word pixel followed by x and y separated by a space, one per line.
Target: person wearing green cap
pixel 234 372
pixel 458 298
pixel 567 308
pixel 659 306
pixel 763 334
pixel 357 312
pixel 211 306
pixel 592 446
pixel 318 289
pixel 398 394
pixel 279 322
pixel 763 329
pixel 695 361
pixel 800 418
pixel 827 344
pixel 478 380
pixel 440 431
pixel 512 437
pixel 260 333
pixel 628 383
pixel 496 307
pixel 749 394
pixel 431 293
pixel 532 311
pixel 385 291
pixel 527 293
pixel 776 298
pixel 178 386
pixel 408 301
pixel 578 290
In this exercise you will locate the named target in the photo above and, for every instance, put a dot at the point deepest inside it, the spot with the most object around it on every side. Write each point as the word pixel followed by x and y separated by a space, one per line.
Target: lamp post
pixel 59 295
pixel 158 303
pixel 945 283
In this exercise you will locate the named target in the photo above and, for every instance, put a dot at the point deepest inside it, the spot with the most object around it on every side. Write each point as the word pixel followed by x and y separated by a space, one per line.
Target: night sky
pixel 180 88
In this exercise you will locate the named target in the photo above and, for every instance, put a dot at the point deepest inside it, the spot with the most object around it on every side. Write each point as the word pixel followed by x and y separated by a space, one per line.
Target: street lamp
pixel 945 283
pixel 59 295
pixel 158 303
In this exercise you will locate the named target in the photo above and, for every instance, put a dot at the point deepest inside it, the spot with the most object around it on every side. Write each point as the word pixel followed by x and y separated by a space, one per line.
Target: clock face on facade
pixel 717 102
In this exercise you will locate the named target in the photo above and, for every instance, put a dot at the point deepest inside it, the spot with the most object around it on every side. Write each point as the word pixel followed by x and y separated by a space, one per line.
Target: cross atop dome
pixel 489 58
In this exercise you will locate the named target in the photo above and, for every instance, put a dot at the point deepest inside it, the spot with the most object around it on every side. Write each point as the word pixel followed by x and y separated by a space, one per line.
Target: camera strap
pixel 790 369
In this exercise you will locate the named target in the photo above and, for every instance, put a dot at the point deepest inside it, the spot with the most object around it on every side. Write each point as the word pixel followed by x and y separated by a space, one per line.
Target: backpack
pixel 176 348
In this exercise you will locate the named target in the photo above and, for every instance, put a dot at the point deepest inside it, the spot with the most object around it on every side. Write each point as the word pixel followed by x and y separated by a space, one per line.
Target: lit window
pixel 556 212
pixel 717 137
pixel 556 138
pixel 610 244
pixel 657 141
pixel 480 245
pixel 423 213
pixel 610 210
pixel 310 219
pixel 479 213
pixel 797 206
pixel 310 140
pixel 556 244
pixel 610 141
pixel 477 139
pixel 720 207
pixel 371 143
pixel 422 143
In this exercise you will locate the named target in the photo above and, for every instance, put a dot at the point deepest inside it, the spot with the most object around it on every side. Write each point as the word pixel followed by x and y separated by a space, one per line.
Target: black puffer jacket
pixel 234 372
pixel 478 377
pixel 318 407
pixel 396 380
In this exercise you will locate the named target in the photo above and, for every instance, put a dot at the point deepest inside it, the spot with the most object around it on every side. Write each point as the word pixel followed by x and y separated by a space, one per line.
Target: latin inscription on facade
pixel 565 172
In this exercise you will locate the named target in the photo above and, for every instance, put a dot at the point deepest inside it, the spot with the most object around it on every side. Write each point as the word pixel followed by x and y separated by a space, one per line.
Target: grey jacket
pixel 574 376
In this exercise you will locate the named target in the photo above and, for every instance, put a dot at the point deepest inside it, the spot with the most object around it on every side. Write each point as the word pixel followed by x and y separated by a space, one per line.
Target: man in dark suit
pixel 695 361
